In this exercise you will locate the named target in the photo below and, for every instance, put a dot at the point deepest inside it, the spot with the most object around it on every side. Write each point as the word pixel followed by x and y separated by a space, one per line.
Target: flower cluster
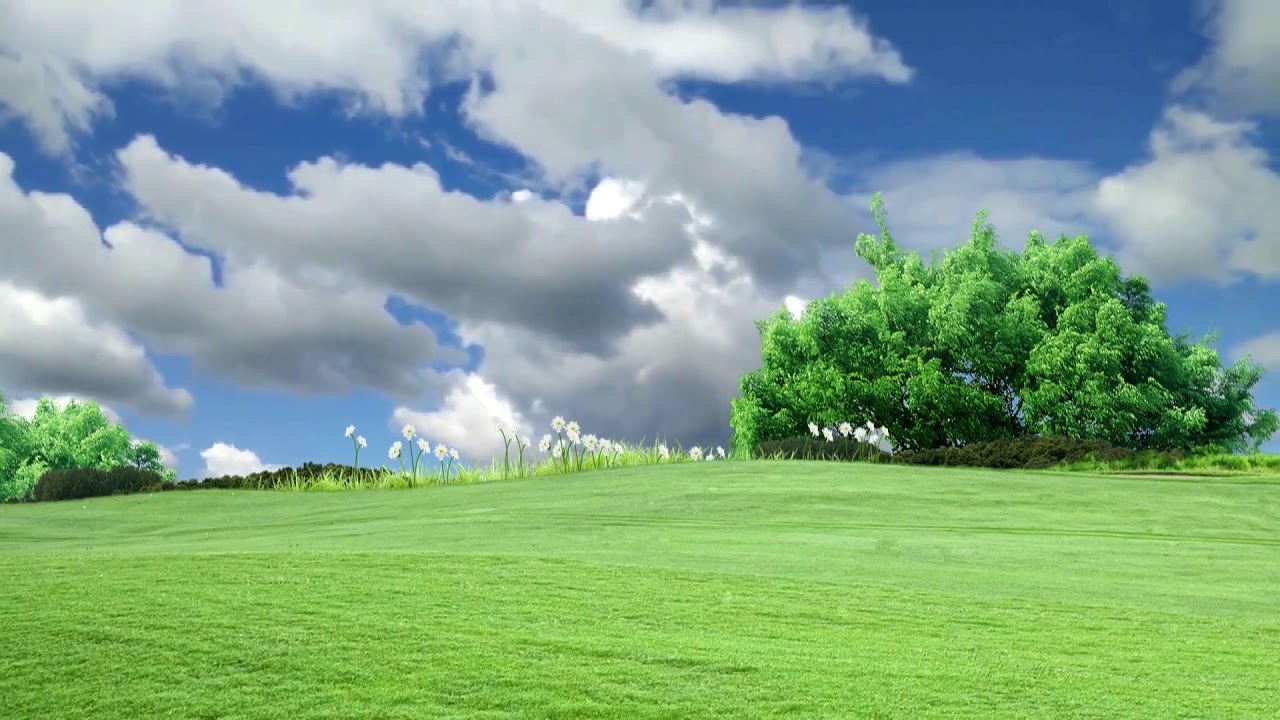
pixel 424 447
pixel 869 433
pixel 569 436
pixel 569 448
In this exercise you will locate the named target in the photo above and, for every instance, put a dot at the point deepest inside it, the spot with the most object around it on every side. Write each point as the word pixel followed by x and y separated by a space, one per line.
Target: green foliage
pixel 985 344
pixel 24 479
pixel 15 452
pixel 1028 452
pixel 146 456
pixel 78 436
pixel 69 484
pixel 86 482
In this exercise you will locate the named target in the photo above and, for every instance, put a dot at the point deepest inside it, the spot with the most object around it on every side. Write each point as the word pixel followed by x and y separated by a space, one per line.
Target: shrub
pixel 79 483
pixel 69 484
pixel 1031 452
pixel 125 479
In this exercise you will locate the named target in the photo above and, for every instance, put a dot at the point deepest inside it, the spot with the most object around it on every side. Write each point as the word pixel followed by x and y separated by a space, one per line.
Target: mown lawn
pixel 731 589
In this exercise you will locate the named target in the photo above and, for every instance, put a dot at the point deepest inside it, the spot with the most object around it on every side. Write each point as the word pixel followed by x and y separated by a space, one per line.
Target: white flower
pixel 360 439
pixel 720 451
pixel 350 429
pixel 663 452
pixel 441 451
pixel 572 428
pixel 827 433
pixel 873 438
pixel 592 442
pixel 860 434
pixel 813 429
pixel 394 452
pixel 407 432
pixel 524 442
pixel 695 453
pixel 845 429
pixel 453 452
pixel 871 425
pixel 557 423
pixel 545 443
pixel 884 432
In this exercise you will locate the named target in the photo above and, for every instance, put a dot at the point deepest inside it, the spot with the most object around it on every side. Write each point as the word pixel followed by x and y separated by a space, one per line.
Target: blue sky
pixel 242 231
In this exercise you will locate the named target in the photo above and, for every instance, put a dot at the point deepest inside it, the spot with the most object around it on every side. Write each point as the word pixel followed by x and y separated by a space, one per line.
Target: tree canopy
pixel 986 343
pixel 79 435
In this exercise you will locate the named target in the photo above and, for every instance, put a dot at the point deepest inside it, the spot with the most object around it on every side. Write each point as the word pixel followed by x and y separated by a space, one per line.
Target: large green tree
pixel 79 435
pixel 985 343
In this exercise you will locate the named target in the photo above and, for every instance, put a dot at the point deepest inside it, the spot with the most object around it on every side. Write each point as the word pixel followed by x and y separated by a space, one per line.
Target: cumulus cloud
pixel 51 345
pixel 1201 206
pixel 471 411
pixel 309 333
pixel 222 459
pixel 671 379
pixel 385 56
pixel 1241 71
pixel 931 202
pixel 1263 349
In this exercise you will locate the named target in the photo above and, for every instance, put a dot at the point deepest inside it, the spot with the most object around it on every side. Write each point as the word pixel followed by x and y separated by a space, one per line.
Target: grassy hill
pixel 731 589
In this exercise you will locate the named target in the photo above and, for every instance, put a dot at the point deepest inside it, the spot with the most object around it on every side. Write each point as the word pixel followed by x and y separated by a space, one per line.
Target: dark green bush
pixel 69 484
pixel 79 483
pixel 125 479
pixel 1031 452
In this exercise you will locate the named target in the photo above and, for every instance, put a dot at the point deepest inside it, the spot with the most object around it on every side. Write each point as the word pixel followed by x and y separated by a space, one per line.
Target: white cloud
pixel 737 44
pixel 612 198
pixel 1264 349
pixel 222 459
pixel 57 54
pixel 50 345
pixel 467 419
pixel 310 332
pixel 1202 206
pixel 1241 72
pixel 795 305
pixel 931 203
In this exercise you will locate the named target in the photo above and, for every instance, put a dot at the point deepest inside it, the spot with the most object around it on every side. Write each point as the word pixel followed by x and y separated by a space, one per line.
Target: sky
pixel 241 227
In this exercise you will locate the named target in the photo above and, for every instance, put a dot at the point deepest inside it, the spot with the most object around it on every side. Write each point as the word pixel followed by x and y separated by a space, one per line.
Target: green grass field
pixel 731 589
